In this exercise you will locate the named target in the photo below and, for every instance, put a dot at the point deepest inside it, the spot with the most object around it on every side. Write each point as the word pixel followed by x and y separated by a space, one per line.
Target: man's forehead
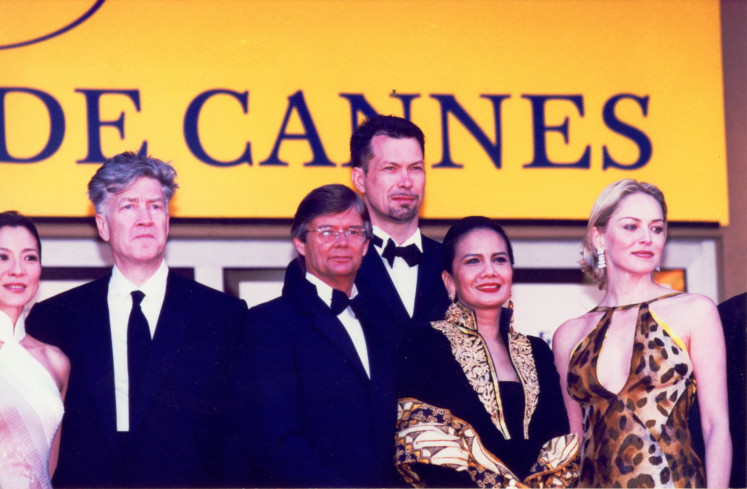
pixel 351 217
pixel 147 187
pixel 398 150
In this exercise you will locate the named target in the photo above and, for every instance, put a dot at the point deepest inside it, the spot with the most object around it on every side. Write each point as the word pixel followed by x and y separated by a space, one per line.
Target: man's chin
pixel 343 270
pixel 148 255
pixel 403 215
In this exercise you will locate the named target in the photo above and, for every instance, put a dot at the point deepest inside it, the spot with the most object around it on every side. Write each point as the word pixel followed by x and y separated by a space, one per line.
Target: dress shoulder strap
pixel 637 304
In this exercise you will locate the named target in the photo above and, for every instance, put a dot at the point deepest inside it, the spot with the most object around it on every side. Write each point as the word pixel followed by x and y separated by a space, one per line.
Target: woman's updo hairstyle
pixel 465 226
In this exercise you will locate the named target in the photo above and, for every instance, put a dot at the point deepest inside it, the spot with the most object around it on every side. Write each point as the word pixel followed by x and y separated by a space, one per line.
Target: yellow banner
pixel 529 107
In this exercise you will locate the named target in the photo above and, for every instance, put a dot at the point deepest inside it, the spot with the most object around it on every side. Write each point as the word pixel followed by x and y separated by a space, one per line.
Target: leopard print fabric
pixel 638 437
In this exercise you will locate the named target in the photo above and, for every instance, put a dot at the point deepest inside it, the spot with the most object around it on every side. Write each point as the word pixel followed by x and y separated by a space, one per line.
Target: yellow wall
pixel 147 62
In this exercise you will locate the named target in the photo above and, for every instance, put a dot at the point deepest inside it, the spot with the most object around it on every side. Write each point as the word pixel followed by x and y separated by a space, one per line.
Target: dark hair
pixel 386 125
pixel 324 200
pixel 606 205
pixel 119 172
pixel 15 220
pixel 465 226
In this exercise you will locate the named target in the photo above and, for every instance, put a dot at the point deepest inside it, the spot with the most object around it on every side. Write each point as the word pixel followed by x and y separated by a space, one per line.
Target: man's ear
pixel 358 177
pixel 365 247
pixel 103 226
pixel 300 246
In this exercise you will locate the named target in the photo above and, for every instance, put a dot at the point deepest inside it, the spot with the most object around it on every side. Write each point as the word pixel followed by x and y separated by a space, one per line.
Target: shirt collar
pixel 7 332
pixel 416 238
pixel 323 290
pixel 155 286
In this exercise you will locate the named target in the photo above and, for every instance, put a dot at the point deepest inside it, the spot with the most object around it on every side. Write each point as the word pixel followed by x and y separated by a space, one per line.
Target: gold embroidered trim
pixel 470 351
pixel 520 350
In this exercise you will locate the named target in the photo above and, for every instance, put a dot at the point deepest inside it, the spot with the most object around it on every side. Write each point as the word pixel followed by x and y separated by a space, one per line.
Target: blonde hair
pixel 606 205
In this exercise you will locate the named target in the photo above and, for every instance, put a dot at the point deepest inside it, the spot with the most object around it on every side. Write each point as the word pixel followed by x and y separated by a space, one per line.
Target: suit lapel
pixel 173 321
pixel 429 277
pixel 304 296
pixel 373 279
pixel 331 327
pixel 95 340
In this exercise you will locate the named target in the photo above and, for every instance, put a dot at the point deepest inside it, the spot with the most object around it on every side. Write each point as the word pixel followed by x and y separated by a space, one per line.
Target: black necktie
pixel 138 346
pixel 340 302
pixel 410 253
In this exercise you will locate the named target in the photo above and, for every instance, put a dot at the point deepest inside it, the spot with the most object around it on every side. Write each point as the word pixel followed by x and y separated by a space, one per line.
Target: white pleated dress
pixel 30 412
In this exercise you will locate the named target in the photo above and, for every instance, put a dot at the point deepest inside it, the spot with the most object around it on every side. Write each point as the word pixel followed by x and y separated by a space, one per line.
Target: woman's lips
pixel 15 288
pixel 643 254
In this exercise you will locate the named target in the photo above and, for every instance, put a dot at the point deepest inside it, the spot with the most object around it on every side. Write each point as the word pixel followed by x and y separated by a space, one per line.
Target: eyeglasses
pixel 328 235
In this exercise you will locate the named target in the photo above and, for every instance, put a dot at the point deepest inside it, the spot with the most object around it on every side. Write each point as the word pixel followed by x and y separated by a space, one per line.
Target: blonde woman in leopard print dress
pixel 633 363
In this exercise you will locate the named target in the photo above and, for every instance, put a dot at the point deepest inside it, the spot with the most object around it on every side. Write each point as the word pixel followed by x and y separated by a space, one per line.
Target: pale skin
pixel 19 263
pixel 135 223
pixel 636 229
pixel 336 263
pixel 393 185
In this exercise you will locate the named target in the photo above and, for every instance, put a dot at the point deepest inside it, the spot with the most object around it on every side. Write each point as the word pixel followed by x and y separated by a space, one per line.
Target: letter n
pixel 449 105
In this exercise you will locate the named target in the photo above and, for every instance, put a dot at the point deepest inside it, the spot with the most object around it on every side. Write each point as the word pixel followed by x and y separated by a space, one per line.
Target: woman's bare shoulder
pixel 52 358
pixel 689 313
pixel 572 331
pixel 687 307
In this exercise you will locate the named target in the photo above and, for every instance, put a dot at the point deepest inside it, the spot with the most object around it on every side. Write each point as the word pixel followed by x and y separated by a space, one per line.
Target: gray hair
pixel 606 205
pixel 121 171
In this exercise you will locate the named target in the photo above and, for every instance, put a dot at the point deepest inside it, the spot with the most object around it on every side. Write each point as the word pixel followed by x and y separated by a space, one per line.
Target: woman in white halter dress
pixel 33 375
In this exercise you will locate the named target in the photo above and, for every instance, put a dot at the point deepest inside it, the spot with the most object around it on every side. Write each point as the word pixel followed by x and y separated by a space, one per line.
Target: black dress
pixel 458 426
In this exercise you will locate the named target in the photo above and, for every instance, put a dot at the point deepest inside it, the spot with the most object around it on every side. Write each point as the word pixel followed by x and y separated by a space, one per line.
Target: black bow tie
pixel 340 302
pixel 410 253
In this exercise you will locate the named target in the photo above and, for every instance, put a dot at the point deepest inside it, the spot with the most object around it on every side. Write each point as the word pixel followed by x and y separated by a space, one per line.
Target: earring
pixel 511 308
pixel 454 312
pixel 658 267
pixel 601 262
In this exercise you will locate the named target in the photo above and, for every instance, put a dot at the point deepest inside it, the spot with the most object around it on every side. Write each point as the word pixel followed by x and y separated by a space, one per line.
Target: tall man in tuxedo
pixel 150 351
pixel 403 274
pixel 322 410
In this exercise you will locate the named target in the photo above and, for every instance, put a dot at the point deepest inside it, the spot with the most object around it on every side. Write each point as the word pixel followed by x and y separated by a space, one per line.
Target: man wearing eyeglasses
pixel 319 397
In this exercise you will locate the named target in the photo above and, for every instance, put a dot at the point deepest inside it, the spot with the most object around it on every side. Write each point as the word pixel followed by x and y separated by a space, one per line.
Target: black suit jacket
pixel 178 429
pixel 431 300
pixel 312 417
pixel 733 313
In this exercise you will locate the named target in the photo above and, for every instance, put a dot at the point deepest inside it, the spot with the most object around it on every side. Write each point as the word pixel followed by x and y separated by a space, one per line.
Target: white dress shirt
pixel 404 277
pixel 120 305
pixel 347 318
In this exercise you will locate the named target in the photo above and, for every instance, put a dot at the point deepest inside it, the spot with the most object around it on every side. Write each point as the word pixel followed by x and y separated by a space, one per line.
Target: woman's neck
pixel 13 313
pixel 488 322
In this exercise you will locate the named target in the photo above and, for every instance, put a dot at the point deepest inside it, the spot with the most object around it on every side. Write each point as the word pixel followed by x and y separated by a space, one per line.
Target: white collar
pixel 7 332
pixel 154 286
pixel 323 290
pixel 416 238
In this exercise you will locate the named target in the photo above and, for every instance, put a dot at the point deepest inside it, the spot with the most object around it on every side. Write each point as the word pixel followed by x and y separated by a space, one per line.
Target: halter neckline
pixel 631 306
pixel 9 333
